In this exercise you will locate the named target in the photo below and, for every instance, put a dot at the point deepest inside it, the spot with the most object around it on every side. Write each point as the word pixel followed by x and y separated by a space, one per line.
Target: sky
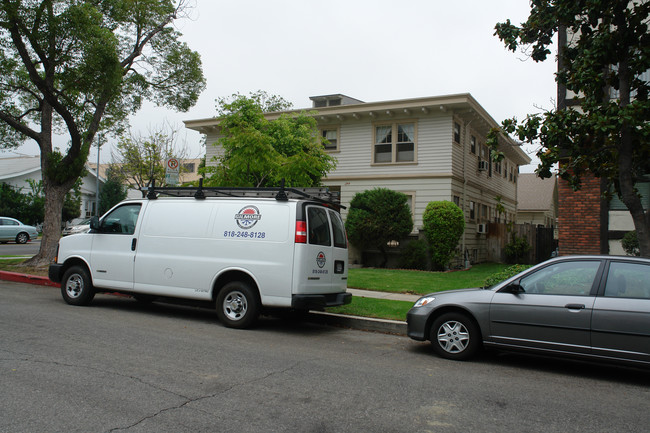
pixel 372 50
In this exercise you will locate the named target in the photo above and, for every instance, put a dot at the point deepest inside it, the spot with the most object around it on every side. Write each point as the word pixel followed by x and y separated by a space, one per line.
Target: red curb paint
pixel 25 278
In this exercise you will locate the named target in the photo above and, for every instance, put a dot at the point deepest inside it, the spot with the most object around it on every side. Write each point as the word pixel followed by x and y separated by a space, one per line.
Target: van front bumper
pixel 318 302
pixel 54 272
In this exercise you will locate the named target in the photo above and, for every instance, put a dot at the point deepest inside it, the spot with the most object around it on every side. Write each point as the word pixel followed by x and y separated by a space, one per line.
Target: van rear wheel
pixel 238 305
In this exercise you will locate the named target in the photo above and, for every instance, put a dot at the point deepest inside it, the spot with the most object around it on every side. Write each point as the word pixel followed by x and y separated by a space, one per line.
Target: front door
pixel 553 312
pixel 113 249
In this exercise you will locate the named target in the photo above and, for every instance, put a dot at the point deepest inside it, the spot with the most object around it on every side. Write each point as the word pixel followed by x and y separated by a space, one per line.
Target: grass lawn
pixel 377 308
pixel 14 265
pixel 386 280
pixel 420 282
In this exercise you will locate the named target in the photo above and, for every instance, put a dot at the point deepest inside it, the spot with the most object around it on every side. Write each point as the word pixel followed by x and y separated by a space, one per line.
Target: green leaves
pixel 376 217
pixel 605 129
pixel 259 152
pixel 443 225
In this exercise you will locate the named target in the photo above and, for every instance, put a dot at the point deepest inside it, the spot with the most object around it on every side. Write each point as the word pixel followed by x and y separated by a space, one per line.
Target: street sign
pixel 171 171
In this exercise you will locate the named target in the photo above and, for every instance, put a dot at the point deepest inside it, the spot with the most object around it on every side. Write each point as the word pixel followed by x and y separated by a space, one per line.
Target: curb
pixel 26 278
pixel 331 319
pixel 359 323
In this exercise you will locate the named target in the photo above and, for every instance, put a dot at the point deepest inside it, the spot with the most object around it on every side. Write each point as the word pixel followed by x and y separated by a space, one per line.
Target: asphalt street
pixel 121 366
pixel 13 249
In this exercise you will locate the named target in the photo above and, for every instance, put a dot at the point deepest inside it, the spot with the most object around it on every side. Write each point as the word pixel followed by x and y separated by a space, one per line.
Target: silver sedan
pixel 13 230
pixel 595 307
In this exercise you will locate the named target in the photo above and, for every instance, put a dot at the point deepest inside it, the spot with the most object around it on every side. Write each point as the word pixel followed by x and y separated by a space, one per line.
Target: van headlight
pixel 424 301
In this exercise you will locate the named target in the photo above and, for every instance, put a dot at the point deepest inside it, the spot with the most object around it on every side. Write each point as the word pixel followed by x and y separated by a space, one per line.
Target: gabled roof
pixel 19 166
pixel 535 193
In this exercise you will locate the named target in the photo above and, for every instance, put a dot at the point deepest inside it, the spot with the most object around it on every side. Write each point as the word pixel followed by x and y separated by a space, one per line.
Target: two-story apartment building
pixel 429 148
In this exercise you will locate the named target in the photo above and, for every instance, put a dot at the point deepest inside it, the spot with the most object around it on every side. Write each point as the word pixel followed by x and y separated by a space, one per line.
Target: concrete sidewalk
pixel 354 322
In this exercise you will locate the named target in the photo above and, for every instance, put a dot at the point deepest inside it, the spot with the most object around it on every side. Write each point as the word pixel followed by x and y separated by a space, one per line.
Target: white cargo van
pixel 243 248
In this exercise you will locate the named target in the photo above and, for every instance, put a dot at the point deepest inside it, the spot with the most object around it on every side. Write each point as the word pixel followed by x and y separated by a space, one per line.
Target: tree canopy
pixel 71 68
pixel 140 159
pixel 604 64
pixel 258 152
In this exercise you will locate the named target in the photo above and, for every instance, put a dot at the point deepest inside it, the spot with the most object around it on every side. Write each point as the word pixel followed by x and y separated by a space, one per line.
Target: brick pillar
pixel 582 219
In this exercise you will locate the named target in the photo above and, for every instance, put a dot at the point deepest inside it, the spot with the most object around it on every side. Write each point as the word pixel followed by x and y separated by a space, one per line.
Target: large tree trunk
pixel 54 197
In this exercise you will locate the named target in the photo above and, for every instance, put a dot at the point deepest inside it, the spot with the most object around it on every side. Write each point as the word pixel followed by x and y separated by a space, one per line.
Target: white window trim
pixel 394 124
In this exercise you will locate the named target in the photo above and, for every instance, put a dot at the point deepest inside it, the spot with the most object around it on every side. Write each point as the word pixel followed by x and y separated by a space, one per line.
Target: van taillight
pixel 301 232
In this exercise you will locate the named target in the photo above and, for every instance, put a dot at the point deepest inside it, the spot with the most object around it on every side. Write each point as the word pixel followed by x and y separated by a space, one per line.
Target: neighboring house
pixel 537 200
pixel 16 170
pixel 428 148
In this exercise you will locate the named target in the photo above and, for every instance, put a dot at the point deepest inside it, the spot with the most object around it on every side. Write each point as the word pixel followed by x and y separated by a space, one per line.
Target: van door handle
pixel 575 306
pixel 133 244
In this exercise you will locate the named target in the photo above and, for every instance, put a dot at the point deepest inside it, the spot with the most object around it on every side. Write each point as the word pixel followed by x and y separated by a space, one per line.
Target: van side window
pixel 318 226
pixel 121 220
pixel 340 241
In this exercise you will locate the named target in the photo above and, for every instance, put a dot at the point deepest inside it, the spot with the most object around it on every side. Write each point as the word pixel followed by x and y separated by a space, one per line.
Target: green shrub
pixel 630 244
pixel 443 225
pixel 376 217
pixel 516 249
pixel 414 255
pixel 505 274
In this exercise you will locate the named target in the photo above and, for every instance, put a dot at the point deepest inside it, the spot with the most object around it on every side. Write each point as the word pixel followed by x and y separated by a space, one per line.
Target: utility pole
pixel 99 143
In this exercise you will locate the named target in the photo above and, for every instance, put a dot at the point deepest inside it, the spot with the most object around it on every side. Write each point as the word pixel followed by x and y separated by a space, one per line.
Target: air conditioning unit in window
pixel 481 228
pixel 483 165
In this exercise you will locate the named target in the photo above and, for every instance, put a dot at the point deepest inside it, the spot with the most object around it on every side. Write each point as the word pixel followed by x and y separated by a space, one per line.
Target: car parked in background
pixel 595 307
pixel 81 227
pixel 12 230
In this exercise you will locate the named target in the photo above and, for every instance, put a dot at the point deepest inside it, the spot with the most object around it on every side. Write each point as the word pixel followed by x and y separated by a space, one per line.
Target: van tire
pixel 238 305
pixel 76 286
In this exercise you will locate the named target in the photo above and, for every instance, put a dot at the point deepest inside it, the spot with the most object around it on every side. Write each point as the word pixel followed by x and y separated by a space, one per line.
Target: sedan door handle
pixel 575 306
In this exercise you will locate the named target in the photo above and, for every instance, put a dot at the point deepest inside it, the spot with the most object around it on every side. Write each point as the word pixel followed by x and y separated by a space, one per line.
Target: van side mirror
pixel 94 223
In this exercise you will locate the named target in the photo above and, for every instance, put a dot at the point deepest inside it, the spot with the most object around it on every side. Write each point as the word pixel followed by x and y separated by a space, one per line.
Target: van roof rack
pixel 318 194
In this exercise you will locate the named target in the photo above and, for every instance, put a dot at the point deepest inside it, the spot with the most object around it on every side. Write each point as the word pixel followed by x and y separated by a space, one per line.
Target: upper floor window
pixel 472 210
pixel 332 137
pixel 472 145
pixel 394 143
pixel 456 132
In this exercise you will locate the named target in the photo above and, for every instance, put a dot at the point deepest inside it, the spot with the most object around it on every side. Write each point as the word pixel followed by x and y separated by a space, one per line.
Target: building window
pixel 472 145
pixel 394 143
pixel 472 211
pixel 457 132
pixel 189 167
pixel 332 137
pixel 457 200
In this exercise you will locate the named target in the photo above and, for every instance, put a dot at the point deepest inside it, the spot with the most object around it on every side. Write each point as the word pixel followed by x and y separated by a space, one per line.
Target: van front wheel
pixel 237 305
pixel 76 287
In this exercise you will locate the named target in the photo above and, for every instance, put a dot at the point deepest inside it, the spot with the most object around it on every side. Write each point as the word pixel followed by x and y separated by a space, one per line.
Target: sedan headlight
pixel 424 301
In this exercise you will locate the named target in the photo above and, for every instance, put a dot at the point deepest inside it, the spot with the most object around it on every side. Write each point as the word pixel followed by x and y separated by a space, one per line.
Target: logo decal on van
pixel 247 217
pixel 320 259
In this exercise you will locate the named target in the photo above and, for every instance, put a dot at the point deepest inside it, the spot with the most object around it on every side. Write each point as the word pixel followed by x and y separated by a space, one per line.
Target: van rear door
pixel 317 259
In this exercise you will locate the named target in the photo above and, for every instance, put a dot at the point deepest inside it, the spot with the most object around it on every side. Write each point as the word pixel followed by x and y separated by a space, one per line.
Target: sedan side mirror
pixel 514 288
pixel 94 223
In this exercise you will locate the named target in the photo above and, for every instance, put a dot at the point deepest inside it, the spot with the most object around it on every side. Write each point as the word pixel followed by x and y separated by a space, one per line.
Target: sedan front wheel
pixel 455 336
